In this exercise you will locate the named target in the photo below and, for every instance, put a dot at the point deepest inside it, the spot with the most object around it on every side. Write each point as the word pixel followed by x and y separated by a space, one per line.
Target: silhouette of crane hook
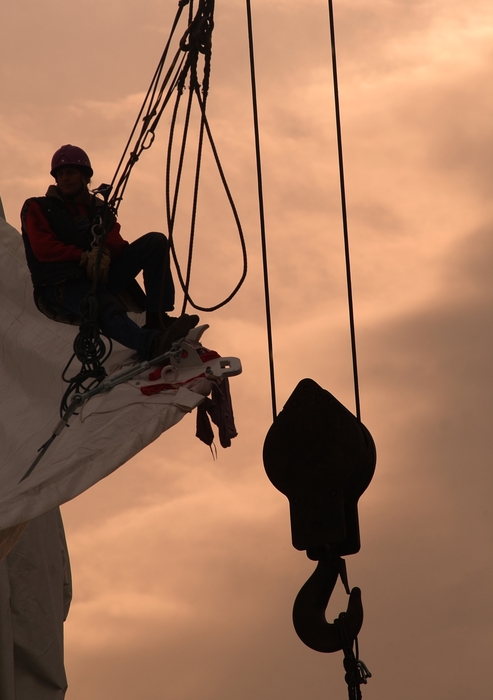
pixel 322 458
pixel 311 603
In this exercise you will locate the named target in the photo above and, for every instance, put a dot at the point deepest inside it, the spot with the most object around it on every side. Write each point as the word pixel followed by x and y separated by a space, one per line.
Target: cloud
pixel 207 557
pixel 184 572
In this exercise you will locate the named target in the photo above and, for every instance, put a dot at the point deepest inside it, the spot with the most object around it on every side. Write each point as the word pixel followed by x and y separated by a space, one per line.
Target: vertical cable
pixel 261 211
pixel 344 212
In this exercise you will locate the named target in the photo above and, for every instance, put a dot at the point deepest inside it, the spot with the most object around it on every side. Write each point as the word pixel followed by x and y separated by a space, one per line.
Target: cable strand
pixel 263 237
pixel 344 212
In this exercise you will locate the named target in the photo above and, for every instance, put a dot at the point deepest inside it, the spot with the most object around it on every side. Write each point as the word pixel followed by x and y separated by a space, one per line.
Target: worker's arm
pixel 45 245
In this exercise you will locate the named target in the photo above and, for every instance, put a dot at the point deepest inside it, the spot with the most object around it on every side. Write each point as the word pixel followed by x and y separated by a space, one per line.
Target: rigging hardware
pixel 322 458
pixel 105 385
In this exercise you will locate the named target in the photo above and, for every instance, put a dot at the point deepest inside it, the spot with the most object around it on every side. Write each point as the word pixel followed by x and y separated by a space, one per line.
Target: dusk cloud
pixel 184 574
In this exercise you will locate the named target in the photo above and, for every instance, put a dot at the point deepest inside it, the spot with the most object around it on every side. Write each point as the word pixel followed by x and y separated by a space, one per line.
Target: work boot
pixel 161 322
pixel 177 330
pixel 167 321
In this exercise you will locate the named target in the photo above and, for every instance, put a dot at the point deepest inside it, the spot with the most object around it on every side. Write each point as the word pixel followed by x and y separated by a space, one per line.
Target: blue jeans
pixel 148 254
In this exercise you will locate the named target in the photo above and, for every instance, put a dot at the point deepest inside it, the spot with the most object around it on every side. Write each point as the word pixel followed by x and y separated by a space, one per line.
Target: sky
pixel 184 573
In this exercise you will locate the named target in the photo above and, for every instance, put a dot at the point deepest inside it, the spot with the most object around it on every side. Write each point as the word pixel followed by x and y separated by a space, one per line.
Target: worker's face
pixel 71 181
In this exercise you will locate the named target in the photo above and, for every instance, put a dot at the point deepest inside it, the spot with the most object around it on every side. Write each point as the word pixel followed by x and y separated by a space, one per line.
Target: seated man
pixel 61 254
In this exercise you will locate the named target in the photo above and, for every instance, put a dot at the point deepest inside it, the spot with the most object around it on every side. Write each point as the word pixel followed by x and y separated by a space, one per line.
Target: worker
pixel 60 233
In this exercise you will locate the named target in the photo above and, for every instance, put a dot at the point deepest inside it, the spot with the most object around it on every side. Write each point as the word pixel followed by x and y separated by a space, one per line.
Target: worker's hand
pixel 104 264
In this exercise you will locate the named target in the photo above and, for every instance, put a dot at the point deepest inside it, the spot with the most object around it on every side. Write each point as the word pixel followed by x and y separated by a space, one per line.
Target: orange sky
pixel 184 575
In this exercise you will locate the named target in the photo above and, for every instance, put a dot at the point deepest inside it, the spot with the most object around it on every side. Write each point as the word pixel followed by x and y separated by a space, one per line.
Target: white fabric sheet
pixel 109 431
pixel 35 595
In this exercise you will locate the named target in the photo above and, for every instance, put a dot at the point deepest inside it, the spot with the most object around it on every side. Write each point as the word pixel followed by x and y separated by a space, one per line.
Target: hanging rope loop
pixel 172 203
pixel 197 40
pixel 90 350
pixel 89 347
pixel 182 74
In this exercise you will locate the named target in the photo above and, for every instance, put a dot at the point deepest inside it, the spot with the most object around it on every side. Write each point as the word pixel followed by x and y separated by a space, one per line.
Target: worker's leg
pixel 150 255
pixel 112 317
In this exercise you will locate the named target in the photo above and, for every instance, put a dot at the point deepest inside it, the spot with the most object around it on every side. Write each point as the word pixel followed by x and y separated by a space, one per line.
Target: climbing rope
pixel 185 283
pixel 343 205
pixel 356 671
pixel 150 113
pixel 344 211
pixel 89 346
pixel 182 74
pixel 263 236
pixel 197 41
pixel 308 617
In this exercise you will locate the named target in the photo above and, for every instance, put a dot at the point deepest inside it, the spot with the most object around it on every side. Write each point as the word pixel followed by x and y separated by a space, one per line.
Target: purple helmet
pixel 71 155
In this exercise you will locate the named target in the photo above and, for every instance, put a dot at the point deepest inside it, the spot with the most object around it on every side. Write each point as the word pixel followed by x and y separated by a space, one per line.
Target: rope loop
pixel 198 36
pixel 97 231
pixel 149 140
pixel 89 347
pixel 182 74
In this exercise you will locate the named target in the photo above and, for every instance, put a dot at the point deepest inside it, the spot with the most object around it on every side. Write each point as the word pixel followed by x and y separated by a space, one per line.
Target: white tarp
pixel 109 430
pixel 35 595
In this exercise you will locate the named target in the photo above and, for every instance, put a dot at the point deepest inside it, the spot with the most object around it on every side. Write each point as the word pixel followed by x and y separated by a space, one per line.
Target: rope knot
pixel 198 36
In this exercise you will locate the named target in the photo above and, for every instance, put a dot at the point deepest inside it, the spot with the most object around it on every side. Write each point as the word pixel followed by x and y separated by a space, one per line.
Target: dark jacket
pixel 55 234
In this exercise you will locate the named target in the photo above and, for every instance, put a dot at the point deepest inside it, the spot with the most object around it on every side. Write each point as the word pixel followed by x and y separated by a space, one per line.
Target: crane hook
pixel 322 458
pixel 311 603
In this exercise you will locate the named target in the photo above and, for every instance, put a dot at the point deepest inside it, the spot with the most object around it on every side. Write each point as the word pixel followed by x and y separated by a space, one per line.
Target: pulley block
pixel 322 458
